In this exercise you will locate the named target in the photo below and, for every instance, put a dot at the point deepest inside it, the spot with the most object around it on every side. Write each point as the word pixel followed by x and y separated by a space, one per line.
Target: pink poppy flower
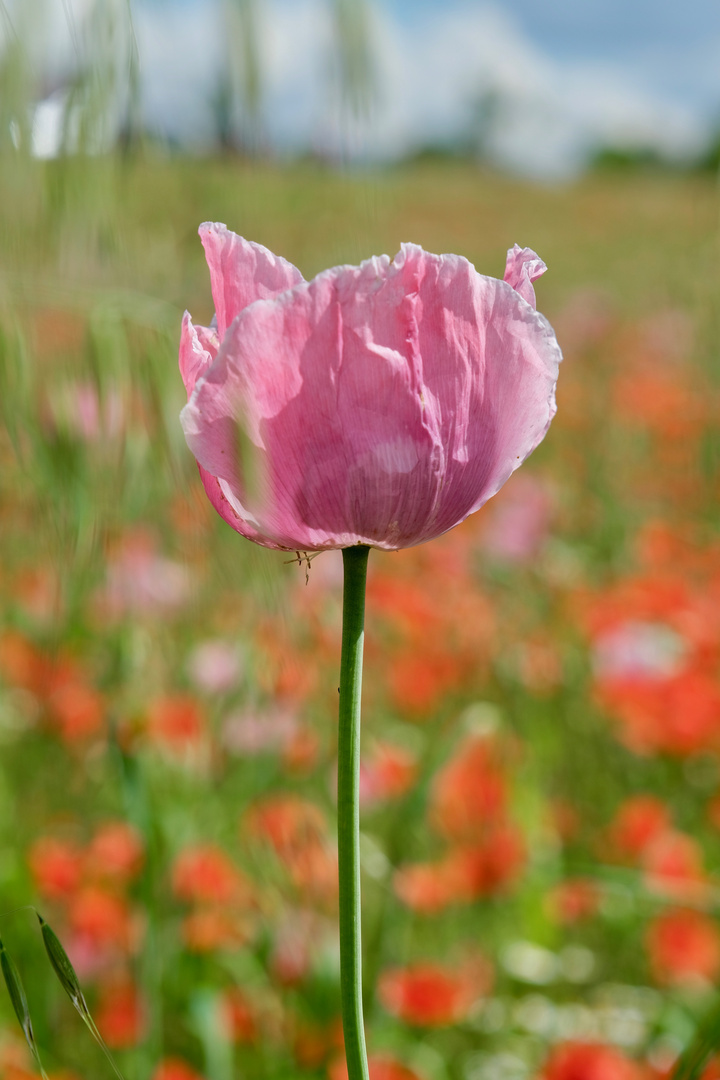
pixel 378 404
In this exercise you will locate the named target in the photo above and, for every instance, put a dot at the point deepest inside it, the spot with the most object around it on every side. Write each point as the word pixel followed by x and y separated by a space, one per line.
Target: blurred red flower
pixel 313 1042
pixel 206 873
pixel 638 821
pixel 660 401
pixel 427 887
pixel 56 867
pixel 173 1068
pixel 470 791
pixel 573 900
pixel 493 864
pixel 434 995
pixel 115 852
pixel 15 1061
pixel 18 1072
pixel 211 928
pixel 102 918
pixel 463 874
pixel 120 1014
pixel 21 663
pixel 297 831
pixel 388 772
pixel 77 709
pixel 300 754
pixel 711 1070
pixel 589 1061
pixel 683 947
pixel 468 807
pixel 286 821
pixel 176 724
pixel 74 707
pixel 380 1067
pixel 679 714
pixel 656 645
pixel 419 679
pixel 673 865
pixel 239 1016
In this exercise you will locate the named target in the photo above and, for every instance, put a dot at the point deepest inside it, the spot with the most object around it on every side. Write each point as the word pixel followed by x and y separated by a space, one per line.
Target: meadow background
pixel 541 791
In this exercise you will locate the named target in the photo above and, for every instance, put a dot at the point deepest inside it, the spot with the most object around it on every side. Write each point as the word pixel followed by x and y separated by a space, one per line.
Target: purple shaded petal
pixel 241 272
pixel 490 365
pixel 198 349
pixel 378 404
pixel 223 500
pixel 523 267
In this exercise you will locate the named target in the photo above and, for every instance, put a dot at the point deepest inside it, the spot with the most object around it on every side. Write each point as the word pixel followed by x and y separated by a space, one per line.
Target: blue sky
pixel 565 75
pixel 595 27
pixel 674 42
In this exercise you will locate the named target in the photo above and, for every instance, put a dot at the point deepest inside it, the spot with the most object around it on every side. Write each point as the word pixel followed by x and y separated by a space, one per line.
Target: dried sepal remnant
pixel 377 405
pixel 304 558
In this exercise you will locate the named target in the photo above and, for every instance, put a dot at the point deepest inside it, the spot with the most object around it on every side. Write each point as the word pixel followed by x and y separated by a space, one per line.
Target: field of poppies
pixel 540 772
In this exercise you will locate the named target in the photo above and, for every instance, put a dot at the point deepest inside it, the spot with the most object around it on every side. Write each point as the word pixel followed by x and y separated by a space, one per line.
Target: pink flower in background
pixel 387 772
pixel 140 581
pixel 519 524
pixel 301 939
pixel 636 649
pixel 249 732
pixel 78 409
pixel 116 853
pixel 377 404
pixel 673 865
pixel 215 666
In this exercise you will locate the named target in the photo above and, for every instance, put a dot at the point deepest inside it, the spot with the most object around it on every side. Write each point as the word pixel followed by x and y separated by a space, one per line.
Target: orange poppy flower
pixel 120 1014
pixel 589 1061
pixel 173 1068
pixel 433 995
pixel 205 873
pixel 683 947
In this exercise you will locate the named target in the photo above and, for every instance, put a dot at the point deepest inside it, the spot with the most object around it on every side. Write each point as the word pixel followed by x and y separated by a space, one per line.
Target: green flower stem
pixel 353 634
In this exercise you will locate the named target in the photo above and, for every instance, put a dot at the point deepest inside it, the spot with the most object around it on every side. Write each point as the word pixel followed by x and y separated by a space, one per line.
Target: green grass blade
pixel 16 990
pixel 706 1043
pixel 70 983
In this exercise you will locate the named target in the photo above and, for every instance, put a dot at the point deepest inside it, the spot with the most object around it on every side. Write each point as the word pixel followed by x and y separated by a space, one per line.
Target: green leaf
pixel 706 1043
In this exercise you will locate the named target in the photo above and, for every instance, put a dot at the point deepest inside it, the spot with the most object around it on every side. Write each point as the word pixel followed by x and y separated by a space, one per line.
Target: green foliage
pixel 100 259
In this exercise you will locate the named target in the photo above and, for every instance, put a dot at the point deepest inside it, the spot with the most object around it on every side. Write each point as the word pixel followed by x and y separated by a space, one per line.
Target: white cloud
pixel 442 74
pixel 180 57
pixel 545 115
